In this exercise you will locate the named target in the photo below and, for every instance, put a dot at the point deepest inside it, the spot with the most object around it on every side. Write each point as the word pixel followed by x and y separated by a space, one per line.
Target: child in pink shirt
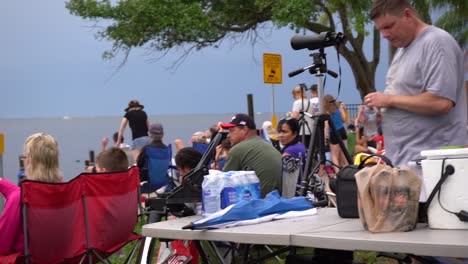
pixel 11 226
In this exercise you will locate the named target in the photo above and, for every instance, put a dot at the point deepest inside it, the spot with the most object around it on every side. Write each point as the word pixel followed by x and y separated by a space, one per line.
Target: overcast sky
pixel 51 65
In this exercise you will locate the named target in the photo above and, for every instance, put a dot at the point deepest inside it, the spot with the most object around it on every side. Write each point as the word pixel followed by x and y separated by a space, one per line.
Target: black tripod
pixel 304 116
pixel 310 181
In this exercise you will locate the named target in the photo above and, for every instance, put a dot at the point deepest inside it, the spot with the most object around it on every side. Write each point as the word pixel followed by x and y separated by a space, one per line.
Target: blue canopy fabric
pixel 273 203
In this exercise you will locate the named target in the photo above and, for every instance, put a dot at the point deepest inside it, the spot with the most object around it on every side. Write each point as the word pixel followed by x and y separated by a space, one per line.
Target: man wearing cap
pixel 251 152
pixel 156 133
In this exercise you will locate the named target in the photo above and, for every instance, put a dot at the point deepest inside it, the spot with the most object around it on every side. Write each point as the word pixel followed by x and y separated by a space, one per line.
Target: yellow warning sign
pixel 272 68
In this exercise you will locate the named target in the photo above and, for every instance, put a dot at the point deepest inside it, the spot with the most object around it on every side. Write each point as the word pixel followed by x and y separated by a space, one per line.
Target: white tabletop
pixel 324 230
pixel 271 233
pixel 352 236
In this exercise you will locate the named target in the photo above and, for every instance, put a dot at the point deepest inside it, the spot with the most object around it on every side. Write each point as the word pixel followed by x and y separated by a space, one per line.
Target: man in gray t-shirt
pixel 424 102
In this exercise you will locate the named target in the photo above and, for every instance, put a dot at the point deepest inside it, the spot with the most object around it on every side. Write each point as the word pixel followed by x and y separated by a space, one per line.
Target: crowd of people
pixel 422 107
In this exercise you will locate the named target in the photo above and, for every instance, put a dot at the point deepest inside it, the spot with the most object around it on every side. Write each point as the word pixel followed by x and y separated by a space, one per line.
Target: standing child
pixel 331 108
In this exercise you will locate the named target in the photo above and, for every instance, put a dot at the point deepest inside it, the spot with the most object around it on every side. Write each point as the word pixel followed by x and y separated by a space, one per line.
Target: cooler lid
pixel 445 153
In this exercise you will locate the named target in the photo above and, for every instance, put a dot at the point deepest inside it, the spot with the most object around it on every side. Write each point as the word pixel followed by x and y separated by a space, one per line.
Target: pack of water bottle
pixel 221 189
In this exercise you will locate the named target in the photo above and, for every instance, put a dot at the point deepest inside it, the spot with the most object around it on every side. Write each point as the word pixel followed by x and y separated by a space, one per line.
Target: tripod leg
pixel 316 150
pixel 312 150
pixel 304 130
pixel 315 155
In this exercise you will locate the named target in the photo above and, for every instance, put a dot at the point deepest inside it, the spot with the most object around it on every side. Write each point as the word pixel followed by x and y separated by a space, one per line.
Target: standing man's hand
pixel 424 103
pixel 378 100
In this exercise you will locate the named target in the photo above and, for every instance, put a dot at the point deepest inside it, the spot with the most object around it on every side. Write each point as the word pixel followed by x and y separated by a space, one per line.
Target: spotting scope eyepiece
pixel 322 40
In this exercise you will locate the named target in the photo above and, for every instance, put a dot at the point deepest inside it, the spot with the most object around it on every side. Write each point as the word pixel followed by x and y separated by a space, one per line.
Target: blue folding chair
pixel 200 147
pixel 159 168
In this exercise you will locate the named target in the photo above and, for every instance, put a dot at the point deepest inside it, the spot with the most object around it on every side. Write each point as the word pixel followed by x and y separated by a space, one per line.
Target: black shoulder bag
pixel 346 188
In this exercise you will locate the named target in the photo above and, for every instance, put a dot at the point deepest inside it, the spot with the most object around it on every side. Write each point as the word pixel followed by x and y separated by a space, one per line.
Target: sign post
pixel 272 73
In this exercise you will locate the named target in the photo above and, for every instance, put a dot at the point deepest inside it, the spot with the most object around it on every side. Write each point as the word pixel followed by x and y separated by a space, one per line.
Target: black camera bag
pixel 346 188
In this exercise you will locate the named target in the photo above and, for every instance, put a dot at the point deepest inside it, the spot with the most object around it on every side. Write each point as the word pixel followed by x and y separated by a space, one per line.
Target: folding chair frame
pixel 91 252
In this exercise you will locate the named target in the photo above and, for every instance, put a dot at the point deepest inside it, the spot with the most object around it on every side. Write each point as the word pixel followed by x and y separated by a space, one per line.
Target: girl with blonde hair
pixel 41 158
pixel 331 107
pixel 302 104
pixel 41 162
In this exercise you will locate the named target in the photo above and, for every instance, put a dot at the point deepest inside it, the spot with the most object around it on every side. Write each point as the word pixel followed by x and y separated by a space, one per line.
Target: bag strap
pixel 385 159
pixel 308 105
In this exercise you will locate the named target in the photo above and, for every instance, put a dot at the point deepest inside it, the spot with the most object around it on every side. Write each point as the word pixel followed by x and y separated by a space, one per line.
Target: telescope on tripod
pixel 316 147
pixel 320 41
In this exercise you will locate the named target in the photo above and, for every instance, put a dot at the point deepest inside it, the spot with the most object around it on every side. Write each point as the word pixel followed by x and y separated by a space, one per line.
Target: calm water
pixel 77 136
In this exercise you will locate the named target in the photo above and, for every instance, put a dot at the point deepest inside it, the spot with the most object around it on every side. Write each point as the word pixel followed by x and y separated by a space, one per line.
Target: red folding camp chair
pixel 81 221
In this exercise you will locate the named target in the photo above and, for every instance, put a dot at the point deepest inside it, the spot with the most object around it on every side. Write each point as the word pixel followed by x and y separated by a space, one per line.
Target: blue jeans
pixel 139 143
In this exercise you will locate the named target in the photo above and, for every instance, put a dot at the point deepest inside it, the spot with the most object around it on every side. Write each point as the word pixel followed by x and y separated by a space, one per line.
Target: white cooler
pixel 453 192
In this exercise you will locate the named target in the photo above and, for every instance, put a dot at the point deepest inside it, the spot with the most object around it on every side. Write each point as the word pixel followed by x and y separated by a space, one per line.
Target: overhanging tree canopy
pixel 162 25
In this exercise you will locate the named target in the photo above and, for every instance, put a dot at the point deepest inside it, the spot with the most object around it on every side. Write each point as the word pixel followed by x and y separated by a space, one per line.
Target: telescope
pixel 322 40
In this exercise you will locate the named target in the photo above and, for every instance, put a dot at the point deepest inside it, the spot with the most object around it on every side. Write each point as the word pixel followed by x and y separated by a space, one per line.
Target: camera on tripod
pixel 322 40
pixel 311 182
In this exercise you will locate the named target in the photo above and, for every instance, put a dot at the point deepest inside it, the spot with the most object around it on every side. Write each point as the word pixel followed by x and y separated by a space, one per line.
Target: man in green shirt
pixel 251 152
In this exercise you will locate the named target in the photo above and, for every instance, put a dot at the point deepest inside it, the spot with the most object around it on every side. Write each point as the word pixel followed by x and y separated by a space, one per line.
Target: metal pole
pixel 319 76
pixel 274 121
pixel 250 105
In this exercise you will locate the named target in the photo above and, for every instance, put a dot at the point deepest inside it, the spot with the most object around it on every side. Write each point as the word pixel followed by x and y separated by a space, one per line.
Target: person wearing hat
pixel 156 133
pixel 139 124
pixel 251 152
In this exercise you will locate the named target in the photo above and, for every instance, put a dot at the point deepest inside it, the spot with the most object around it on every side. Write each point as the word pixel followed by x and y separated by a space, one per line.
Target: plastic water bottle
pixel 235 178
pixel 254 184
pixel 228 194
pixel 211 193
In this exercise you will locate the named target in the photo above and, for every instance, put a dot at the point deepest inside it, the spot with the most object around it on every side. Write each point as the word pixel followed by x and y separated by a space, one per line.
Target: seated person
pixel 112 160
pixel 370 119
pixel 124 146
pixel 41 163
pixel 251 152
pixel 361 141
pixel 270 134
pixel 362 146
pixel 351 141
pixel 156 133
pixel 198 140
pixel 222 151
pixel 379 140
pixel 115 136
pixel 288 136
pixel 186 160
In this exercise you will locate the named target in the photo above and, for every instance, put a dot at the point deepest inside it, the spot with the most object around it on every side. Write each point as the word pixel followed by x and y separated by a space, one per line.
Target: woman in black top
pixel 139 123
